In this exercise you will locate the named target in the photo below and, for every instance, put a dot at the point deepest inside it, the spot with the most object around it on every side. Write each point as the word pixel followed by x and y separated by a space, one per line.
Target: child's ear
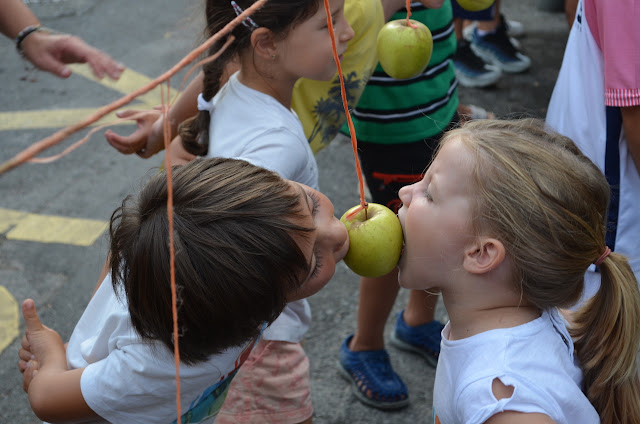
pixel 263 43
pixel 484 255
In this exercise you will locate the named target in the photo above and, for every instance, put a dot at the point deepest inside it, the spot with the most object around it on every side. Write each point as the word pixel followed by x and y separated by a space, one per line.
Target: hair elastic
pixel 248 22
pixel 204 105
pixel 602 257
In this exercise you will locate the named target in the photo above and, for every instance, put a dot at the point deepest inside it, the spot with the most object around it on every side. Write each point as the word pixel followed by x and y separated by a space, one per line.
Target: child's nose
pixel 405 195
pixel 339 239
pixel 348 33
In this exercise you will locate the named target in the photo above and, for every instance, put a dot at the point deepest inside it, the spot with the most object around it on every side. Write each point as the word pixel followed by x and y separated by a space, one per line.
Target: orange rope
pixel 409 24
pixel 172 258
pixel 49 159
pixel 58 136
pixel 352 131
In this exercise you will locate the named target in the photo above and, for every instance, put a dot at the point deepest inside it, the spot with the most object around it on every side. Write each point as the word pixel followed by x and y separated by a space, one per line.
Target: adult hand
pixel 146 141
pixel 51 53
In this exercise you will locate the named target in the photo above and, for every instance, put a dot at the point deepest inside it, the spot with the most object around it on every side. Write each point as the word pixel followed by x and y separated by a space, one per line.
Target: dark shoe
pixel 423 339
pixel 497 48
pixel 471 70
pixel 373 380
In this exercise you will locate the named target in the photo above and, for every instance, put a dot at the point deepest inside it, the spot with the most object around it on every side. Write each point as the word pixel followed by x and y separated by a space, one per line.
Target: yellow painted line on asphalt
pixel 128 82
pixel 49 228
pixel 20 225
pixel 8 318
pixel 59 118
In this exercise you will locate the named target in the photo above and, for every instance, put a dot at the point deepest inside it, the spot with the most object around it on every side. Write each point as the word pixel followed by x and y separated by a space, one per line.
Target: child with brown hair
pixel 246 243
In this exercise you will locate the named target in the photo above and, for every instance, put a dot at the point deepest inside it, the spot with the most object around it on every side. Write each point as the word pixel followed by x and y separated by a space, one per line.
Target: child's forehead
pixel 453 152
pixel 453 164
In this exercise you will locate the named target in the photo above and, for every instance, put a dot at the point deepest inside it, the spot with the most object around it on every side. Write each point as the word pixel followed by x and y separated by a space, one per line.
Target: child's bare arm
pixel 54 390
pixel 631 124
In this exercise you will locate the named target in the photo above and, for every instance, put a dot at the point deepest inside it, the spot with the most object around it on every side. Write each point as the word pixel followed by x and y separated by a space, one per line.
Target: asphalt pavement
pixel 150 37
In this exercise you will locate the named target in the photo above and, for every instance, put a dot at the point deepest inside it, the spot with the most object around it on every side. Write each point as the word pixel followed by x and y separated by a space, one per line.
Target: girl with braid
pixel 250 118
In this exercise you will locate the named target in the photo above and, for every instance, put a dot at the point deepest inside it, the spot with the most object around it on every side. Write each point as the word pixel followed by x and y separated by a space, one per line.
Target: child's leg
pixel 416 329
pixel 420 309
pixel 363 360
pixel 377 296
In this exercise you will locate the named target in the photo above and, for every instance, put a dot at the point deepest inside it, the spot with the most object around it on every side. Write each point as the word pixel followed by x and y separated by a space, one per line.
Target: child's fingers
pixel 25 355
pixel 30 371
pixel 30 315
pixel 25 343
pixel 24 365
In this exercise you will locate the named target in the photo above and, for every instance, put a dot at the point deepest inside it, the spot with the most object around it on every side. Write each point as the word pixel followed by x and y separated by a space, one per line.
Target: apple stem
pixel 409 24
pixel 363 205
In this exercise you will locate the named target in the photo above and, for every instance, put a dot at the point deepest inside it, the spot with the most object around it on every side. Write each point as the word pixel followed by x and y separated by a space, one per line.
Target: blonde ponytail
pixel 606 333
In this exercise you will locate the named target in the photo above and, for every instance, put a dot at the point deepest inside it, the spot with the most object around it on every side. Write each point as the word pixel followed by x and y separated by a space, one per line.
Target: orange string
pixel 172 259
pixel 409 24
pixel 60 135
pixel 352 131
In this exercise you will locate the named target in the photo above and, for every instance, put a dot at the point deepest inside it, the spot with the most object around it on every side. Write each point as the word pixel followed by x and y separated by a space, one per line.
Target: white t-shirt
pixel 127 380
pixel 536 358
pixel 598 75
pixel 250 125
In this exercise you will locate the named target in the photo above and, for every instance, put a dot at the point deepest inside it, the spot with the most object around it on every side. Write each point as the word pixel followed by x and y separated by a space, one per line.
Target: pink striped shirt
pixel 615 26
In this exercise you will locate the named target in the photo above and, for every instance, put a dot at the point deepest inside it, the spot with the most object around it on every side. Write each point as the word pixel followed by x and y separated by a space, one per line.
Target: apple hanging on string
pixel 404 48
pixel 475 5
pixel 375 240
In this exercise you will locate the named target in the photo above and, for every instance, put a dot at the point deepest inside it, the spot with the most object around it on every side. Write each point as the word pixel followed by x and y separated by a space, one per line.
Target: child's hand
pixel 54 390
pixel 25 355
pixel 40 345
pixel 146 141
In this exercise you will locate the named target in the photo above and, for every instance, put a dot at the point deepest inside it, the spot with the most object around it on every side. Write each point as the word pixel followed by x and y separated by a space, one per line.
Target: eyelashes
pixel 318 267
pixel 316 202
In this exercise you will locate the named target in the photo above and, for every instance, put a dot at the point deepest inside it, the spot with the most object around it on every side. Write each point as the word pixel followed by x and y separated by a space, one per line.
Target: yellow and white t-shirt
pixel 319 103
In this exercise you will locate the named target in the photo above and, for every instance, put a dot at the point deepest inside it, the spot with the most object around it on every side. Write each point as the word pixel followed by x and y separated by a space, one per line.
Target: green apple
pixel 404 51
pixel 475 5
pixel 375 240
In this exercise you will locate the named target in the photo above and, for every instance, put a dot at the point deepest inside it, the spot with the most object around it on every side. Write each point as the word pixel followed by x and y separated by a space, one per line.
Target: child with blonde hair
pixel 505 223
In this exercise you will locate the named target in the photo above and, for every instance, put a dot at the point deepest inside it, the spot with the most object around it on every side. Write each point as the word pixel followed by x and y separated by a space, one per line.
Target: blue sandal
pixel 423 339
pixel 373 380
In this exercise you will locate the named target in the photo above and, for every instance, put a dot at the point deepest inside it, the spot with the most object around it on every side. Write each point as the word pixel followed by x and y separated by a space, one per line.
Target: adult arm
pixel 631 125
pixel 52 52
pixel 54 390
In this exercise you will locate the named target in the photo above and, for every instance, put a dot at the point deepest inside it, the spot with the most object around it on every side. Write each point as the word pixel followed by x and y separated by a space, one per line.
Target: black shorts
pixel 389 167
